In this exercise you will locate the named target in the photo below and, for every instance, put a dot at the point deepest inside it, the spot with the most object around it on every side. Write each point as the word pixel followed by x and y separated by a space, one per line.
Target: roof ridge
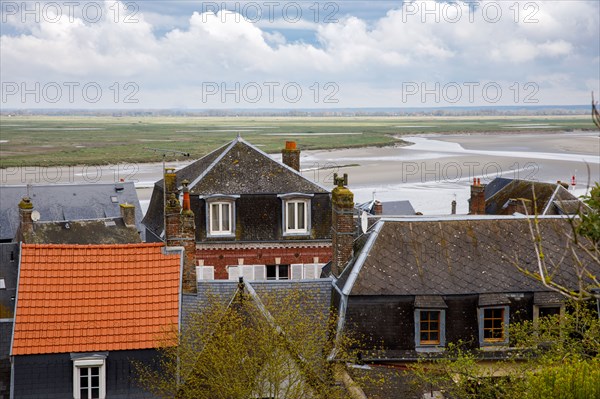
pixel 212 165
pixel 84 246
pixel 281 163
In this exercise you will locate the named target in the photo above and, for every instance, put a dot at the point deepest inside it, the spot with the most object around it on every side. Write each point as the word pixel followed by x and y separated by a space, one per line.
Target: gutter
pixel 181 252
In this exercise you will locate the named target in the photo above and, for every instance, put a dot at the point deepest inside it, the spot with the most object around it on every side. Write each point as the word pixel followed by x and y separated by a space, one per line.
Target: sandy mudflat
pixel 430 173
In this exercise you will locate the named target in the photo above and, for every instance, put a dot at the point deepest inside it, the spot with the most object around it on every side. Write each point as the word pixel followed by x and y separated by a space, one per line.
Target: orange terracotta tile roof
pixel 85 298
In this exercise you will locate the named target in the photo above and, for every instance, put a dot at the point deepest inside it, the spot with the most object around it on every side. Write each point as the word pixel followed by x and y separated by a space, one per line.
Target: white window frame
pixel 296 230
pixel 212 231
pixel 88 362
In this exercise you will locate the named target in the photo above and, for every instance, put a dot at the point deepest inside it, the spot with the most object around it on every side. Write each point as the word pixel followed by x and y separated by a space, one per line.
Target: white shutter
pixel 247 272
pixel 296 271
pixel 310 271
pixel 208 272
pixel 234 272
pixel 260 272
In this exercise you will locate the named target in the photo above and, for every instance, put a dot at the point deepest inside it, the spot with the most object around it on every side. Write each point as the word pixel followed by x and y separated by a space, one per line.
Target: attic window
pixel 220 218
pixel 493 325
pixel 296 216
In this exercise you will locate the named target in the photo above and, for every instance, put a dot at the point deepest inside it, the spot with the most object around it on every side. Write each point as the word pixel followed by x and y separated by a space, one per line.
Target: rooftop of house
pixel 316 294
pixel 100 231
pixel 390 208
pixel 456 255
pixel 237 168
pixel 85 298
pixel 9 260
pixel 551 198
pixel 67 202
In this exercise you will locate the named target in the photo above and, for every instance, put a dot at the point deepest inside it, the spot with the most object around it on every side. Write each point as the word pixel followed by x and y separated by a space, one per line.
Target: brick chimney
pixel 25 220
pixel 188 241
pixel 342 222
pixel 180 228
pixel 477 201
pixel 290 155
pixel 377 208
pixel 128 214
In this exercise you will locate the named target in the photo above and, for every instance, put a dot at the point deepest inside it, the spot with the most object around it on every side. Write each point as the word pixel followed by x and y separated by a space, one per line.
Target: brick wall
pixel 221 258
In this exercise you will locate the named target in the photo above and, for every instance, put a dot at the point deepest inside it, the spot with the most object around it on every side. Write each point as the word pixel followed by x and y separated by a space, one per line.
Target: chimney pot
pixel 377 208
pixel 290 155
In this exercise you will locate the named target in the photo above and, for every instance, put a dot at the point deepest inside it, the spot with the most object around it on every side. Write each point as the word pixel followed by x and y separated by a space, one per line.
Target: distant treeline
pixel 336 112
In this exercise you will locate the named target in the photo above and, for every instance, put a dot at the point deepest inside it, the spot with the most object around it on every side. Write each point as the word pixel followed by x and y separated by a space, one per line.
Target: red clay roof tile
pixel 84 298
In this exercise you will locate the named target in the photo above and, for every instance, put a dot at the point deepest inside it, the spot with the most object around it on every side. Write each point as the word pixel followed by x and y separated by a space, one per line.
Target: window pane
pixel 83 393
pixel 95 370
pixel 225 214
pixel 96 393
pixel 424 336
pixel 271 272
pixel 290 216
pixel 95 382
pixel 549 311
pixel 83 371
pixel 284 272
pixel 214 217
pixel 301 222
pixel 433 336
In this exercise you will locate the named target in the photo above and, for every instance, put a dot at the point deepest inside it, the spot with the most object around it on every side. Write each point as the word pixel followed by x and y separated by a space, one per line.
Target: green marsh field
pixel 60 140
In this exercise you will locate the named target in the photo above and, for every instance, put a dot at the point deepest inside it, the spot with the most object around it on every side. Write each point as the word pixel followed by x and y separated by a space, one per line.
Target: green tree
pixel 275 346
pixel 555 357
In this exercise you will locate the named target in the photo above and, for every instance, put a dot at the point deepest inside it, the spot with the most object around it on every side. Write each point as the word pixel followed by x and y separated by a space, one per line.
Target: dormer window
pixel 220 215
pixel 296 214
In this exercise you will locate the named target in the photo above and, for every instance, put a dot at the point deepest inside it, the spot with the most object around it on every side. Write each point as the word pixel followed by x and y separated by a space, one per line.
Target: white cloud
pixel 355 54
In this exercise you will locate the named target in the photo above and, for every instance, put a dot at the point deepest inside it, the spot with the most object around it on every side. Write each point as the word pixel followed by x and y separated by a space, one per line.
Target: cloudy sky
pixel 286 54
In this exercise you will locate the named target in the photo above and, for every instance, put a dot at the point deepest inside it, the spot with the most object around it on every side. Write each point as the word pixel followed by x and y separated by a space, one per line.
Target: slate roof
pixel 100 231
pixel 390 208
pixel 316 292
pixel 9 262
pixel 549 196
pixel 237 168
pixel 455 256
pixel 86 298
pixel 67 202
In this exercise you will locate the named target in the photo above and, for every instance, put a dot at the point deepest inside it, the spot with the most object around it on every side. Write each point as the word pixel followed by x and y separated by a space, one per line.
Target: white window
pixel 220 218
pixel 307 271
pixel 248 272
pixel 295 216
pixel 278 272
pixel 205 273
pixel 89 377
